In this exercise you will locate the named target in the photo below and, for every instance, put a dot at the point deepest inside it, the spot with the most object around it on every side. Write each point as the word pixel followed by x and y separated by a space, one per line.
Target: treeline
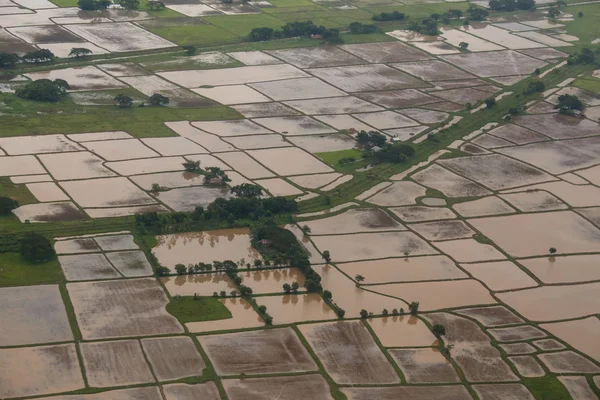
pixel 221 213
pixel 295 29
pixel 511 5
pixel 376 146
pixel 9 60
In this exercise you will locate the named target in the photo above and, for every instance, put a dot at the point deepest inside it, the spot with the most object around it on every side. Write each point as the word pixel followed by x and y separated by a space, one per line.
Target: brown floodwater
pixel 289 309
pixel 271 281
pixel 402 331
pixel 200 284
pixel 205 246
pixel 242 316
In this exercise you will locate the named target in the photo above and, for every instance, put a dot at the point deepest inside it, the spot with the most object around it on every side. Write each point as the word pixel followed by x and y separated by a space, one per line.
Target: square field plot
pixel 120 36
pixel 233 76
pixel 495 63
pixel 257 352
pixel 402 331
pixel 115 363
pixel 130 263
pixel 386 52
pixel 45 34
pixel 173 146
pixel 310 57
pixel 296 89
pixel 20 165
pixel 294 308
pixel 367 77
pixel 281 388
pixel 278 159
pixel 386 120
pixel 231 128
pixel 399 98
pixel 26 309
pixel 173 357
pixel 132 307
pixel 424 366
pixel 106 192
pixel 349 353
pixel 116 242
pixel 254 58
pixel 29 371
pixel 336 105
pixel 80 78
pixel 234 94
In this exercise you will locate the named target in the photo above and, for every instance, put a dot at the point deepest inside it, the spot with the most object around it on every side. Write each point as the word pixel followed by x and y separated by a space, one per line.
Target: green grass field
pixel 188 309
pixel 588 83
pixel 585 28
pixel 332 157
pixel 14 271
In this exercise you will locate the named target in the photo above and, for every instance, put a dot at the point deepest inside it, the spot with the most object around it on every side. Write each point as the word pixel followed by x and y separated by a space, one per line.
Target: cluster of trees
pixel 368 140
pixel 7 205
pixel 293 288
pixel 534 87
pixel 36 248
pixel 394 153
pixel 9 60
pixel 43 90
pixel 426 26
pixel 569 104
pixel 157 99
pixel 476 14
pixel 220 213
pixel 511 5
pixel 585 56
pixel 91 5
pixel 393 16
pixel 358 28
pixel 215 176
pixel 276 243
pixel 295 29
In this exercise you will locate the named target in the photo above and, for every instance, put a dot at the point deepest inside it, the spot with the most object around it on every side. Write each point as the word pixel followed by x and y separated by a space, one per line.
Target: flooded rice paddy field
pixel 477 259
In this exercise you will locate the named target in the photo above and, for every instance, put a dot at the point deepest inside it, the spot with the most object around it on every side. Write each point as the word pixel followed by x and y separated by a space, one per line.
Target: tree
pixel 340 313
pixel 476 13
pixel 191 166
pixel 327 256
pixel 359 278
pixel 189 50
pixel 287 288
pixel 7 205
pixel 155 187
pixel 261 34
pixel 395 312
pixel 180 269
pixel 395 153
pixel 43 90
pixel 295 286
pixel 129 4
pixel 568 103
pixel 123 101
pixel 463 45
pixel 258 263
pixel 36 248
pixel 247 190
pixel 364 313
pixel 490 102
pixel 385 312
pixel 438 330
pixel 306 230
pixel 552 250
pixel 158 99
pixel 245 290
pixel 580 14
pixel 8 60
pixel 162 271
pixel 215 176
pixel 456 14
pixel 262 309
pixel 413 307
pixel 80 52
pixel 327 295
pixel 553 12
pixel 156 5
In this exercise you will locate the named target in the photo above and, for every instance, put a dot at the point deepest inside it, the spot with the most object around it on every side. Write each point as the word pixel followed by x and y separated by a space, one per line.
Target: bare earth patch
pixel 281 388
pixel 173 357
pixel 424 366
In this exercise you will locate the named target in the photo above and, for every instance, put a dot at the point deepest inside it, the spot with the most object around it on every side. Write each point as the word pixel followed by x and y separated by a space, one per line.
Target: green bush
pixel 36 248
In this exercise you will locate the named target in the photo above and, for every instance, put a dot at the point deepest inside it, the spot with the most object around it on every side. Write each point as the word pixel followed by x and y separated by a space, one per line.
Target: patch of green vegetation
pixel 434 193
pixel 200 34
pixel 33 118
pixel 189 309
pixel 241 25
pixel 586 28
pixel 332 157
pixel 588 83
pixel 15 271
pixel 546 388
pixel 20 193
pixel 65 3
pixel 480 238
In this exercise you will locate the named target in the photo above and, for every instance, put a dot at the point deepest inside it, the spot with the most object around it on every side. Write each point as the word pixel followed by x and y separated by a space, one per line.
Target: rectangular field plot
pixel 455 392
pixel 495 63
pixel 29 371
pixel 130 263
pixel 365 246
pixel 141 393
pixel 367 77
pixel 297 308
pixel 402 331
pixel 132 307
pixel 277 161
pixel 80 78
pixel 173 357
pixel 115 363
pixel 385 52
pixel 182 391
pixel 20 145
pixel 233 76
pixel 354 221
pixel 311 57
pixel 281 388
pixel 349 353
pixel 257 352
pixel 120 36
pixel 337 105
pixel 76 165
pixel 106 192
pixel 424 366
pixel 26 309
pixel 83 267
pixel 295 125
pixel 243 316
pixel 501 37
